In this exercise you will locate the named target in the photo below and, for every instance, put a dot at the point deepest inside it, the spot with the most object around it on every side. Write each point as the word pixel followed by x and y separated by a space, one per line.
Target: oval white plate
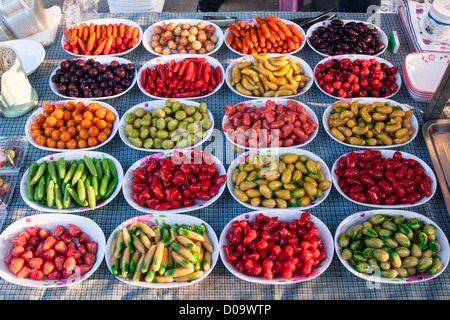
pixel 170 219
pixel 388 154
pixel 150 106
pixel 50 221
pixel 40 110
pixel 353 57
pixel 259 103
pixel 307 71
pixel 166 59
pixel 128 179
pixel 329 110
pixel 324 234
pixel 250 21
pixel 102 59
pixel 72 155
pixel 31 53
pixel 276 152
pixel 383 37
pixel 149 32
pixel 360 217
pixel 107 21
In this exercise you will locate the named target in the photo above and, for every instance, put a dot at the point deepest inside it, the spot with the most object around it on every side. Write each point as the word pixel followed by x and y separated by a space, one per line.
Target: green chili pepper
pixel 90 165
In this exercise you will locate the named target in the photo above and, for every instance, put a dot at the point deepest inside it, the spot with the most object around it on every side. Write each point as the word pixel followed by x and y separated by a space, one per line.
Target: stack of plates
pixel 422 72
pixel 116 6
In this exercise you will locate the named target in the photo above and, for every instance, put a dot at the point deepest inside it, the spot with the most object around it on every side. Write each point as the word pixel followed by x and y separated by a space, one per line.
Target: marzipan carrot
pixel 296 32
pixel 265 31
pixel 253 35
pixel 273 25
pixel 230 39
pixel 260 20
pixel 233 30
pixel 271 18
pixel 122 30
pixel 284 28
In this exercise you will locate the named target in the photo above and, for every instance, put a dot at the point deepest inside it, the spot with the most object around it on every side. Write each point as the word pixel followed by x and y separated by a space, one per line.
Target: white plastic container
pixel 436 26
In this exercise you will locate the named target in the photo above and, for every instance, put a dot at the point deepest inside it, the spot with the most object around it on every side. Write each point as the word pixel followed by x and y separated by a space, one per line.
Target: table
pixel 335 283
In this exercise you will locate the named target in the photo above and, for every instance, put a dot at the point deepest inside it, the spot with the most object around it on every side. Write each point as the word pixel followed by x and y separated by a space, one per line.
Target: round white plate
pixel 102 59
pixel 307 71
pixel 107 21
pixel 361 217
pixel 31 53
pixel 276 152
pixel 352 58
pixel 149 32
pixel 40 110
pixel 150 106
pixel 170 219
pixel 50 221
pixel 250 21
pixel 324 234
pixel 329 110
pixel 72 155
pixel 383 37
pixel 259 103
pixel 166 59
pixel 388 154
pixel 128 179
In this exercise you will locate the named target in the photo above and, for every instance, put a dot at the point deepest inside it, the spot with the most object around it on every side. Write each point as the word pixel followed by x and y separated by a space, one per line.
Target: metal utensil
pixel 307 22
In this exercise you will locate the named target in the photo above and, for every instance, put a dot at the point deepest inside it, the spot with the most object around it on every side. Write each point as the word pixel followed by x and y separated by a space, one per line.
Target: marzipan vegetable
pixel 394 245
pixel 161 253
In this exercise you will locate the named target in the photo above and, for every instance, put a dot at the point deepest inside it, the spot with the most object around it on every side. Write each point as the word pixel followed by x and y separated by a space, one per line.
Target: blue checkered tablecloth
pixel 335 283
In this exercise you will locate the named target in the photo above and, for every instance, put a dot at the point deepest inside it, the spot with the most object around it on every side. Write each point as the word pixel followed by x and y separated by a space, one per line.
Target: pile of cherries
pixel 345 78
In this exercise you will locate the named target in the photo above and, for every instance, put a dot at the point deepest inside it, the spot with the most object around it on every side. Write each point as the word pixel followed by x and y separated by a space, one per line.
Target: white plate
pixel 166 59
pixel 170 219
pixel 307 71
pixel 388 154
pixel 250 21
pixel 383 37
pixel 352 58
pixel 50 221
pixel 276 152
pixel 259 103
pixel 150 106
pixel 106 21
pixel 31 53
pixel 40 110
pixel 424 70
pixel 329 110
pixel 102 59
pixel 128 179
pixel 72 155
pixel 361 217
pixel 149 32
pixel 324 234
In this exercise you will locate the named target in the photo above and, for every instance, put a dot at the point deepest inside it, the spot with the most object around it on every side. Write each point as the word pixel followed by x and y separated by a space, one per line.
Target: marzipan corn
pixel 292 181
pixel 161 253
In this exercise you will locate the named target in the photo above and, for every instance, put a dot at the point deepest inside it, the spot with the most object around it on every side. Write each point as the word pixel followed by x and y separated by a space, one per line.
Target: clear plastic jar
pixel 436 26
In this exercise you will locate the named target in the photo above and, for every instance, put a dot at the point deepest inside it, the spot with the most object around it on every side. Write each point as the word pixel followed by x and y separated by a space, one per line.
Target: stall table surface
pixel 335 283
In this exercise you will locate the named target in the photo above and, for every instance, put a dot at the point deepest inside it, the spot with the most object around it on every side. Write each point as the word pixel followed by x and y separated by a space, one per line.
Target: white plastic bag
pixel 76 11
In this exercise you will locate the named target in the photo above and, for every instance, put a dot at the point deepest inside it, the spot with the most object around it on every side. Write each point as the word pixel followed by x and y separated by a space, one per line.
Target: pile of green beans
pixel 161 253
pixel 77 183
pixel 397 246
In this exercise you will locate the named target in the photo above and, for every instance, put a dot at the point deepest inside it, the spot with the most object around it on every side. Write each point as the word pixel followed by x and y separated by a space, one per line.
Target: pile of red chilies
pixel 190 77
